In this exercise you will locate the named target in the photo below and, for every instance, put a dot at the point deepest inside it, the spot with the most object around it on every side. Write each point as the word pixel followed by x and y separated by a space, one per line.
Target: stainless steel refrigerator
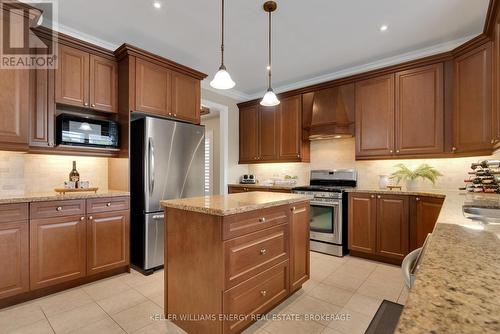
pixel 166 162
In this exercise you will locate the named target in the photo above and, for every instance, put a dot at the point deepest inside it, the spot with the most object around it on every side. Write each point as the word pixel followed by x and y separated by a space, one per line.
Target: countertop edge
pixel 60 197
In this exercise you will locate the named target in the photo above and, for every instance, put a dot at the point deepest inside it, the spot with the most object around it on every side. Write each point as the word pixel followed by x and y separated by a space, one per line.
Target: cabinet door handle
pixel 397 151
pixel 293 209
pixel 391 151
pixel 90 217
pixel 417 199
pixel 372 196
pixel 263 252
pixel 82 218
pixel 262 220
pixel 175 115
pixel 379 196
pixel 108 204
pixel 453 149
pixel 93 105
pixel 59 208
pixel 86 104
pixel 263 293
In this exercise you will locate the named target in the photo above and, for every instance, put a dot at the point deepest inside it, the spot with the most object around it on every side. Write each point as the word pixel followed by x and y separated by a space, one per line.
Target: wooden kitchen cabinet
pixel 152 88
pixel 362 222
pixel 57 250
pixel 473 101
pixel 299 245
pixel 249 134
pixel 86 80
pixel 392 226
pixel 14 110
pixel 424 212
pixel 420 110
pixel 14 249
pixel 375 117
pixel 496 84
pixel 268 130
pixel 186 99
pixel 290 129
pixel 107 241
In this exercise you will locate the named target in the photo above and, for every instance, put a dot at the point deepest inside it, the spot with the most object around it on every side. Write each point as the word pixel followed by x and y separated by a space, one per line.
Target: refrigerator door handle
pixel 151 157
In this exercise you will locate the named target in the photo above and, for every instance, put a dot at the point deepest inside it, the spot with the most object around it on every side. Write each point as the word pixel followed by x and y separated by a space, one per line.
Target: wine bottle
pixel 74 176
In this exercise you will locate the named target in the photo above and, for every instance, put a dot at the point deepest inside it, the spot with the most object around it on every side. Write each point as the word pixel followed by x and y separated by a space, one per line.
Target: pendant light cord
pixel 222 44
pixel 269 50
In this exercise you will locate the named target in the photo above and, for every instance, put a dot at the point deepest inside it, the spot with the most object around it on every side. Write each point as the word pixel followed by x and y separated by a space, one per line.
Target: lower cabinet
pixel 14 249
pixel 299 246
pixel 57 250
pixel 387 227
pixel 107 241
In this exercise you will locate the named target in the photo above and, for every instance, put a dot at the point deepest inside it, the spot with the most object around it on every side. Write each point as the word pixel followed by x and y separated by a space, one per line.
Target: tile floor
pixel 346 286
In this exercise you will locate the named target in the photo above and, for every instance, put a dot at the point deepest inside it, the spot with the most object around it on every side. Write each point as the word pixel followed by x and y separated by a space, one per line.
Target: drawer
pixel 13 212
pixel 95 205
pixel 251 254
pixel 255 296
pixel 248 222
pixel 53 209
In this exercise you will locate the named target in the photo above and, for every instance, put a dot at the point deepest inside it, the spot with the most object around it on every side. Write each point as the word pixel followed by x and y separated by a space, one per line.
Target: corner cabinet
pixel 273 134
pixel 299 245
pixel 473 101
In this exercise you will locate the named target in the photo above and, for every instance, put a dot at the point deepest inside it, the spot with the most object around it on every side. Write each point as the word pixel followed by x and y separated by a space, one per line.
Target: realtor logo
pixel 21 44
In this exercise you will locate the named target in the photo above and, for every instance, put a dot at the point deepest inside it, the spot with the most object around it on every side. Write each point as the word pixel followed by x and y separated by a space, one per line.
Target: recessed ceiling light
pixel 384 28
pixel 157 4
pixel 268 67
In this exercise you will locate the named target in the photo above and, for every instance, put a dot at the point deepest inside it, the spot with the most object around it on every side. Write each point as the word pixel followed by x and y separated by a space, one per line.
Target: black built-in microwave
pixel 80 131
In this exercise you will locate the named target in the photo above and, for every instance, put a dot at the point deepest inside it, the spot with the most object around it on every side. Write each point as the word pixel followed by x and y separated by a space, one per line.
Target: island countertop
pixel 457 286
pixel 224 205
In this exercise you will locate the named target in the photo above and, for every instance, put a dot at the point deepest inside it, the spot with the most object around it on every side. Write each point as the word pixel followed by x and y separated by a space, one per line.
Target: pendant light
pixel 222 79
pixel 269 98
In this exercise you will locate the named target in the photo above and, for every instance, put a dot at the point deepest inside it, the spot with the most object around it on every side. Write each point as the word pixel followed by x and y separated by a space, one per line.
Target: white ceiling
pixel 314 40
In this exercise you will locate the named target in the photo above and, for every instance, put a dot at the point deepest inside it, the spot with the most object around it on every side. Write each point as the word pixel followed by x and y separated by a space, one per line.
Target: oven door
pixel 326 221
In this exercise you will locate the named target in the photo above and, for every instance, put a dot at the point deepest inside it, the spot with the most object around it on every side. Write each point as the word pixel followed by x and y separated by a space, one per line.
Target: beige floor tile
pixel 331 294
pixel 158 299
pixel 256 328
pixel 309 285
pixel 403 296
pixel 309 306
pixel 138 316
pixel 39 327
pixel 356 323
pixel 380 289
pixel 160 327
pixel 135 278
pixel 293 327
pixel 77 318
pixel 121 301
pixel 151 288
pixel 329 330
pixel 358 267
pixel 63 301
pixel 105 326
pixel 105 288
pixel 364 304
pixel 345 280
pixel 20 316
pixel 387 273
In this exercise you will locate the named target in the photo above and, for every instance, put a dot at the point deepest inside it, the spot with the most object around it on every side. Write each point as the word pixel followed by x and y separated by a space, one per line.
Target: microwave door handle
pixel 151 160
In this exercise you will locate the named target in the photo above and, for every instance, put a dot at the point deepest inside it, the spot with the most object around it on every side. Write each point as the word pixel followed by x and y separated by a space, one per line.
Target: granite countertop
pixel 457 286
pixel 258 185
pixel 427 193
pixel 53 196
pixel 224 205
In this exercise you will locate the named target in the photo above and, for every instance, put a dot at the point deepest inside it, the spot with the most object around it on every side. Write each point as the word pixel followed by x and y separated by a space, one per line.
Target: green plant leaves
pixel 423 171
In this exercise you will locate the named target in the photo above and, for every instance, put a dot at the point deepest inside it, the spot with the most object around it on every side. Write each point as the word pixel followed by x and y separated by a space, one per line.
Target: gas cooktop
pixel 337 181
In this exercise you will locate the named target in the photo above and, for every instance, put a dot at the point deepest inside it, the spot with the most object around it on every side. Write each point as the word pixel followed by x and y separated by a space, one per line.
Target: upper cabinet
pixel 85 80
pixel 473 101
pixel 157 86
pixel 273 134
pixel 375 117
pixel 419 110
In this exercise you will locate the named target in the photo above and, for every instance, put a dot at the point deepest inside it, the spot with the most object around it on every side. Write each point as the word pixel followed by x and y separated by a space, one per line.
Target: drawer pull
pixel 263 293
pixel 59 208
pixel 293 208
pixel 379 196
pixel 90 217
pixel 108 204
pixel 263 252
pixel 262 220
pixel 82 218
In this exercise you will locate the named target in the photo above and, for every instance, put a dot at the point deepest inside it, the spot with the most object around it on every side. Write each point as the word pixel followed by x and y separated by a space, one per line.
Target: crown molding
pixel 84 37
pixel 378 64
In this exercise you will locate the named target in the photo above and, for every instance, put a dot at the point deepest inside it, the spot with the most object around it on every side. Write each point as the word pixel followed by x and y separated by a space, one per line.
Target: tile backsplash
pixel 33 173
pixel 339 153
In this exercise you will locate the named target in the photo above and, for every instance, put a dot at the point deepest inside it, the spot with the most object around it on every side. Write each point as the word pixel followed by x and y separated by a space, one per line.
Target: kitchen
pixel 81 254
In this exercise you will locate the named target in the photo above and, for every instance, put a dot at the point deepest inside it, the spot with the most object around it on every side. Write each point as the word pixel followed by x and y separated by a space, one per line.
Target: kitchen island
pixel 231 258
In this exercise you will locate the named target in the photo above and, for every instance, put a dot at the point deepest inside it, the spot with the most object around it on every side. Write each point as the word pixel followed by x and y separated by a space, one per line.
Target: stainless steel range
pixel 329 209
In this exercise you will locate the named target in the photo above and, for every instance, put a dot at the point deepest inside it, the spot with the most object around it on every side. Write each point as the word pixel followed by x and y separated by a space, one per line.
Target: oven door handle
pixel 329 204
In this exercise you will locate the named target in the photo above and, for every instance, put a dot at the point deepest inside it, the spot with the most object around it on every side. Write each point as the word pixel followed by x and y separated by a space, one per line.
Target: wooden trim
pixel 470 45
pixel 33 12
pixel 6 302
pixel 375 257
pixel 429 156
pixel 491 15
pixel 130 50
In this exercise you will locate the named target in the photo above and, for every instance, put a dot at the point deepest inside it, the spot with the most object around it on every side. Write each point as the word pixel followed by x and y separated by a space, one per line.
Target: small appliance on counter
pixel 329 209
pixel 484 177
pixel 75 184
pixel 248 179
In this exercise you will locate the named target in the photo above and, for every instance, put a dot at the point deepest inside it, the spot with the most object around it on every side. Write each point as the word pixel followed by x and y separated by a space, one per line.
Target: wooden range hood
pixel 329 113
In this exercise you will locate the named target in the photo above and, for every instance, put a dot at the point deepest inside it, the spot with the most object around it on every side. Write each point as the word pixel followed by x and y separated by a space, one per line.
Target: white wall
pixel 339 153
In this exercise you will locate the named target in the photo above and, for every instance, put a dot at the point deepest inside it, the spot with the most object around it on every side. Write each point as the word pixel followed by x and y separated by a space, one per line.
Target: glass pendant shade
pixel 270 99
pixel 222 80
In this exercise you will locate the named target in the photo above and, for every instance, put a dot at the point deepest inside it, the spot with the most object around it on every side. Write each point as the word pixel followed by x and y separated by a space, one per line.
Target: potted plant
pixel 423 171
